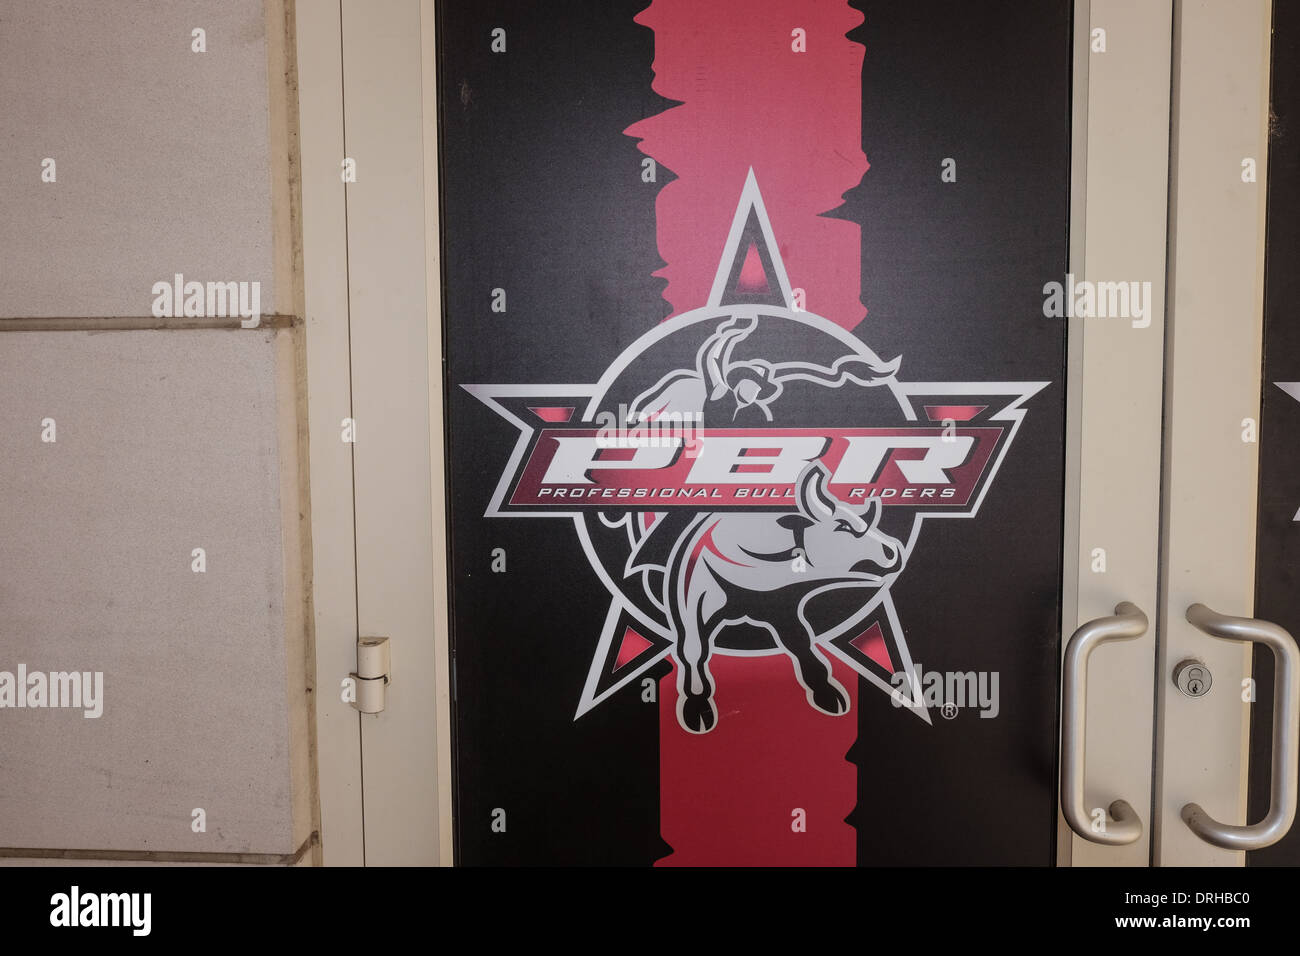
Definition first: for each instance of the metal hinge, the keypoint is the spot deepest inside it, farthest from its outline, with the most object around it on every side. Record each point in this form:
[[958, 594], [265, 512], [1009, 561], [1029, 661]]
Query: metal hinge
[[373, 675]]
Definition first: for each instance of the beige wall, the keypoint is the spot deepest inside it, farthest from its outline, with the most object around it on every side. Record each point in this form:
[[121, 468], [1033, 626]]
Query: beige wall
[[167, 438]]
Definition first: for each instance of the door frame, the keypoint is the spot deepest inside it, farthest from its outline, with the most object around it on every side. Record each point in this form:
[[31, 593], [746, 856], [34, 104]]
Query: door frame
[[1120, 177], [1119, 213], [329, 400], [367, 80]]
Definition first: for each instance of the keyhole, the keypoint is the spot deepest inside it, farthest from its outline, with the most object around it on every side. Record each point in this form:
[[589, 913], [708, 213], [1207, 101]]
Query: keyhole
[[1193, 678]]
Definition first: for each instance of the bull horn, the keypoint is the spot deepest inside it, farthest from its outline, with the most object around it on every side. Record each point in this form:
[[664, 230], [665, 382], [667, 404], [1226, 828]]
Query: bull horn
[[872, 511], [815, 501]]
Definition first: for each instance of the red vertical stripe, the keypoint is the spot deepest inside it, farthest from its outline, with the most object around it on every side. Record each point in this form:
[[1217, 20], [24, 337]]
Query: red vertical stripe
[[749, 100], [733, 796], [739, 794]]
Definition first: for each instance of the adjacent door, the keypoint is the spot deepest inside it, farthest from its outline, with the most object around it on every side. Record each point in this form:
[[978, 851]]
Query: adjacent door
[[1277, 597], [1222, 787]]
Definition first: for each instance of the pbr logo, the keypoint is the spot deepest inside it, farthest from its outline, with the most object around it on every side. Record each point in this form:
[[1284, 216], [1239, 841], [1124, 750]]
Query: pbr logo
[[748, 479]]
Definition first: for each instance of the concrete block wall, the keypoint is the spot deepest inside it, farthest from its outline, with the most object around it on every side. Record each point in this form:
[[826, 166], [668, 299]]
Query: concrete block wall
[[129, 439]]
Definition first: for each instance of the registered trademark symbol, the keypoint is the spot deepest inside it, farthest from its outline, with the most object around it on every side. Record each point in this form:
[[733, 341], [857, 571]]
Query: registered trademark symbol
[[949, 710]]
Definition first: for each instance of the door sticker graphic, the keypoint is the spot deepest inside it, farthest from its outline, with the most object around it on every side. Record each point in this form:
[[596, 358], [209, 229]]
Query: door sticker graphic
[[712, 399], [715, 537]]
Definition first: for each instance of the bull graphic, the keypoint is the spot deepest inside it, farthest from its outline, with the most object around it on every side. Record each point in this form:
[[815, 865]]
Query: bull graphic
[[761, 570], [717, 570]]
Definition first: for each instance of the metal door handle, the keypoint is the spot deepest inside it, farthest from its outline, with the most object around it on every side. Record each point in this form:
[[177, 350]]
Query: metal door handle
[[1286, 730], [1122, 825]]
